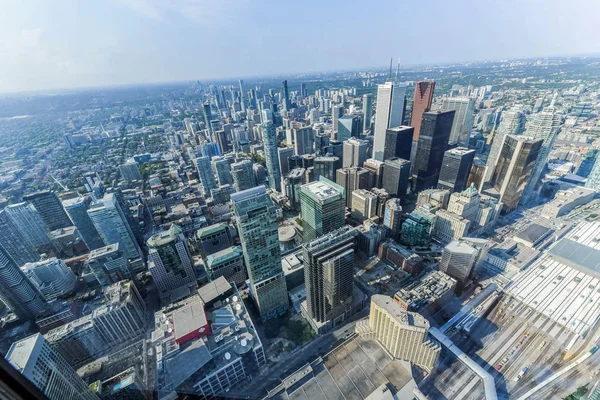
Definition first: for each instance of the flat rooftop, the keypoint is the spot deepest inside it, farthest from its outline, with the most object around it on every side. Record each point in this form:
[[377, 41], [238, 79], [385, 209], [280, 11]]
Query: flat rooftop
[[189, 318], [214, 289], [533, 233], [321, 191], [399, 313]]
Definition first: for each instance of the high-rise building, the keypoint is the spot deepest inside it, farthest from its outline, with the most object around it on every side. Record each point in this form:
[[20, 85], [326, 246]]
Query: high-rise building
[[287, 105], [392, 217], [336, 112], [421, 104], [326, 167], [108, 264], [433, 139], [456, 167], [243, 175], [47, 370], [398, 142], [367, 109], [212, 239], [376, 167], [207, 116], [222, 169], [130, 172], [228, 263], [512, 122], [256, 219], [207, 177], [477, 174], [349, 126], [269, 138], [364, 204], [50, 208], [459, 258], [77, 210], [284, 153], [464, 115], [355, 152], [328, 274], [396, 175], [51, 277], [322, 205], [304, 139], [242, 96], [112, 225], [29, 222], [17, 291], [516, 160], [171, 265], [417, 228], [353, 178], [14, 242], [389, 114]]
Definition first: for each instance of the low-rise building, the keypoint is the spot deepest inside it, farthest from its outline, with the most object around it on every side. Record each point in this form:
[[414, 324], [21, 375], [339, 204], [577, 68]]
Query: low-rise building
[[427, 294], [567, 200], [228, 263]]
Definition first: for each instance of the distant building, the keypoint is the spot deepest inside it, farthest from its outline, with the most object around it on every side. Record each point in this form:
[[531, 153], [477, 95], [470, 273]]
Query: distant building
[[205, 172], [367, 109], [349, 126], [512, 122], [284, 153], [322, 208], [50, 208], [464, 116], [355, 152], [326, 167], [269, 138], [222, 169], [243, 175], [130, 172], [304, 139], [352, 179], [364, 205], [51, 277], [456, 167], [391, 99], [376, 168], [421, 104]]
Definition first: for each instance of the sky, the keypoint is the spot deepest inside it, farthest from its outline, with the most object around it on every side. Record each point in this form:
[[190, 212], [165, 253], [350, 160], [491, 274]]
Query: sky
[[51, 44]]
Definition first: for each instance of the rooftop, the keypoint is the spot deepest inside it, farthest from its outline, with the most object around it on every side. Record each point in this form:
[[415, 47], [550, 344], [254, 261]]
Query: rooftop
[[22, 351], [322, 191], [211, 230], [224, 256], [102, 251], [165, 237], [533, 233], [214, 289], [399, 313], [423, 292]]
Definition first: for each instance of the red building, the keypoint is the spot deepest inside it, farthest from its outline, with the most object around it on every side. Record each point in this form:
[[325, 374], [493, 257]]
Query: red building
[[190, 322], [421, 104]]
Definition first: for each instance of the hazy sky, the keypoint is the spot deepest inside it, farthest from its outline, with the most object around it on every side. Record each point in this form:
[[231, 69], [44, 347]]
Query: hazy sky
[[47, 44]]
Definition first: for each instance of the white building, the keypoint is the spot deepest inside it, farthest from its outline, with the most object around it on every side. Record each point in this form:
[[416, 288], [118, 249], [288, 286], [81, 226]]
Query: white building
[[364, 204], [464, 116], [389, 114], [567, 200], [52, 277]]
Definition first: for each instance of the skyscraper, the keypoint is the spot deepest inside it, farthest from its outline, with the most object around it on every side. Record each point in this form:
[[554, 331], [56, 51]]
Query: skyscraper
[[108, 264], [29, 222], [50, 209], [51, 277], [207, 177], [269, 138], [353, 178], [349, 126], [222, 169], [17, 291], [326, 167], [287, 106], [456, 167], [421, 104], [364, 205], [433, 139], [392, 217], [112, 225], [283, 153], [389, 114], [355, 152], [130, 172], [398, 142], [304, 139], [516, 160], [77, 210], [243, 175], [207, 117], [367, 109], [256, 220], [322, 204], [328, 273], [376, 168], [459, 258], [45, 368], [464, 116], [336, 112], [14, 243], [170, 263], [396, 175]]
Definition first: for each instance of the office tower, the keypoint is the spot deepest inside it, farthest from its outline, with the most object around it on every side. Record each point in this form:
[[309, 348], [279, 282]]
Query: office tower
[[416, 229], [77, 210], [290, 186], [456, 167], [355, 152], [367, 109], [364, 205], [396, 175], [326, 167], [51, 277], [130, 172], [287, 106], [304, 139], [336, 113], [322, 205], [349, 126], [170, 263], [269, 138], [389, 114], [516, 160], [207, 117], [464, 115], [402, 333], [353, 178], [220, 137], [222, 169], [112, 225], [212, 239], [205, 172], [512, 122], [14, 243], [477, 174], [256, 220], [433, 139], [260, 174], [29, 222], [328, 274], [242, 96], [47, 370], [228, 263], [108, 264], [209, 149], [543, 126], [382, 198], [243, 175], [321, 143], [458, 259], [392, 216], [376, 168], [421, 104], [49, 208], [17, 291], [398, 142], [283, 153]]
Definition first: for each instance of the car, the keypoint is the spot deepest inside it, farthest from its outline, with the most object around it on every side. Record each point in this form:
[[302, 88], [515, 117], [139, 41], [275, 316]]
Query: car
[[498, 367]]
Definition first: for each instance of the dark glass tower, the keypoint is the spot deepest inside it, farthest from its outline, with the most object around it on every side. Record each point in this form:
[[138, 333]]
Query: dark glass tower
[[398, 142], [456, 167], [50, 208]]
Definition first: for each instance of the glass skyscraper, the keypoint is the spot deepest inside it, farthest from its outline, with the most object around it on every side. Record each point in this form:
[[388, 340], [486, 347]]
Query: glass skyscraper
[[323, 208]]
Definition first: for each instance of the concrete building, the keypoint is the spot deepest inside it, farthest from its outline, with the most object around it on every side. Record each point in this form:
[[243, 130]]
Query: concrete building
[[269, 139], [228, 263], [322, 206], [459, 258], [50, 209], [430, 293], [566, 200], [456, 167], [436, 198], [421, 104], [391, 98], [396, 175], [77, 210], [243, 175], [17, 292], [355, 152], [464, 116], [256, 219], [449, 226], [14, 242], [51, 277], [304, 140], [283, 153], [222, 169], [112, 225], [392, 217], [353, 178], [364, 205], [205, 172], [398, 142], [336, 112], [402, 333], [512, 122], [29, 222], [382, 198], [376, 168], [37, 361], [109, 265], [367, 109], [212, 239], [130, 172]]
